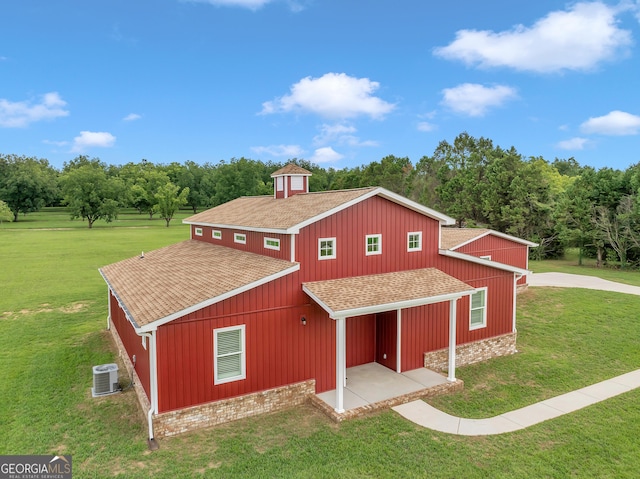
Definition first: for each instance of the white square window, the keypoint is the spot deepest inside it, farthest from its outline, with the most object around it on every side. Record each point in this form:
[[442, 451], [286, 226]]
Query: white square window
[[272, 243], [229, 362], [414, 241], [297, 183], [486, 256], [198, 231], [216, 234], [240, 238], [326, 248], [373, 244], [478, 313]]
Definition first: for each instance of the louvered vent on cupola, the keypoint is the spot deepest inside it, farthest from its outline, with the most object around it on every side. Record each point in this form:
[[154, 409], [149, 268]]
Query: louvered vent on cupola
[[290, 180]]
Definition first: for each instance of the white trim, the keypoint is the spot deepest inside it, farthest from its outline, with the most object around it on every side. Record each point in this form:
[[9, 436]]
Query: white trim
[[242, 352], [333, 247], [377, 243], [515, 239], [451, 370], [341, 361], [485, 256], [198, 231], [267, 246], [279, 183], [299, 178], [167, 319], [485, 262], [109, 306], [399, 341], [293, 248], [419, 247], [378, 308], [473, 327], [213, 234], [237, 239], [246, 228], [515, 289]]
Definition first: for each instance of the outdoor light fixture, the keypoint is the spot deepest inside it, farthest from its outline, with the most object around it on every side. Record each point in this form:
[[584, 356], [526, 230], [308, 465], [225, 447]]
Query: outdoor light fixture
[[303, 320]]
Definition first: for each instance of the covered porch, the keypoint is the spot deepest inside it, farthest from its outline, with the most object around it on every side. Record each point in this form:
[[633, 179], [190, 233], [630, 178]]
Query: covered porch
[[382, 382]]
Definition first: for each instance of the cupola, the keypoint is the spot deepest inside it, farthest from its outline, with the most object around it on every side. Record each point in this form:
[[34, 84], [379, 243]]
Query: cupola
[[290, 180]]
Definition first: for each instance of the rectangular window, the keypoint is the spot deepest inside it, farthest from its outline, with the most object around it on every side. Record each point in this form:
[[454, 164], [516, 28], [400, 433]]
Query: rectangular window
[[414, 241], [229, 354], [216, 234], [478, 314], [240, 238], [198, 231], [373, 244], [297, 183], [326, 248], [487, 256], [272, 243], [279, 183]]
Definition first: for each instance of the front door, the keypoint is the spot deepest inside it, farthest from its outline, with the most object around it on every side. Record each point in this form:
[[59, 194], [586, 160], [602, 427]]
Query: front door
[[386, 339]]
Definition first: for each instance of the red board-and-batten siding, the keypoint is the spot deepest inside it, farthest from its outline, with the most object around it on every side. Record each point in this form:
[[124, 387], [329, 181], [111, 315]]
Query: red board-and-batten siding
[[501, 250], [287, 190], [280, 350], [254, 241]]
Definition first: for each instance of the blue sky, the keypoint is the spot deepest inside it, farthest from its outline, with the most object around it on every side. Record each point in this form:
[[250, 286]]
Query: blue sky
[[340, 83]]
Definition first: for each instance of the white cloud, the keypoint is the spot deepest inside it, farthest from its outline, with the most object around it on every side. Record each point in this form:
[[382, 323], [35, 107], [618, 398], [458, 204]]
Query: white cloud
[[473, 99], [22, 113], [92, 139], [342, 134], [132, 117], [576, 39], [325, 155], [426, 126], [250, 4], [333, 95], [576, 143], [289, 151], [615, 123], [55, 143]]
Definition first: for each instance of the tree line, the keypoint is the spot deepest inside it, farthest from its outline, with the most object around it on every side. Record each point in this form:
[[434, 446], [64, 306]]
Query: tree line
[[558, 204]]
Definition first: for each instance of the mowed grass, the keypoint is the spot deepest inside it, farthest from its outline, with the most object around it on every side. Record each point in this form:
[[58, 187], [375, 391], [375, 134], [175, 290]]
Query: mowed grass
[[52, 331]]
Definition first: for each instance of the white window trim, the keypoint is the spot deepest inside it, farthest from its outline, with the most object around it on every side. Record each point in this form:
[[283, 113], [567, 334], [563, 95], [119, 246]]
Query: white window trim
[[198, 231], [236, 238], [486, 256], [484, 310], [297, 183], [243, 355], [268, 246], [218, 232], [333, 256], [366, 244], [414, 233], [279, 183]]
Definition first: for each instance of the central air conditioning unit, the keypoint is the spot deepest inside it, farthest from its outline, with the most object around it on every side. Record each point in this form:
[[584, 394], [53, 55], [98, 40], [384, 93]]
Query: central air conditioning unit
[[105, 380]]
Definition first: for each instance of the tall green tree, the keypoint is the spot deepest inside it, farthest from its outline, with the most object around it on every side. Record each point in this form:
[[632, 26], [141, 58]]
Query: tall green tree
[[90, 194], [169, 199], [5, 212]]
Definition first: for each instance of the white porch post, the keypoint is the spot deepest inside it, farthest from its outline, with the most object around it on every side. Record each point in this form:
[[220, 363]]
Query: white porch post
[[341, 364], [452, 341], [399, 341]]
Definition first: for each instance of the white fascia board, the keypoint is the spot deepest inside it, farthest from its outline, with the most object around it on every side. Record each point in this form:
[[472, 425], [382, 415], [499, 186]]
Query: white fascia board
[[396, 198], [378, 308], [127, 313], [484, 262], [239, 227], [515, 239], [475, 238], [153, 326], [292, 174]]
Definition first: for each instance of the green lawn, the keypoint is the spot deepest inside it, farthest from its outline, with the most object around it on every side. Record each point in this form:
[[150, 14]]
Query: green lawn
[[52, 330]]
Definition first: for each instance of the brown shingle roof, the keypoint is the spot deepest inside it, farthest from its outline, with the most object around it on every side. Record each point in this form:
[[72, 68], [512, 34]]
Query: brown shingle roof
[[452, 237], [275, 214], [172, 279], [348, 294], [290, 169]]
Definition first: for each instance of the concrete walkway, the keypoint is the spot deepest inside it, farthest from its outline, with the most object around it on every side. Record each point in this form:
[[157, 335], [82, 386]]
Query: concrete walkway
[[427, 416]]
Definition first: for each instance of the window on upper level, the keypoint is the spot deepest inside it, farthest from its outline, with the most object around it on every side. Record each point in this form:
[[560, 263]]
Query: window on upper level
[[414, 241], [198, 231], [272, 243], [326, 248], [486, 256], [216, 234], [279, 183], [240, 238], [373, 244], [229, 354], [478, 314], [297, 183]]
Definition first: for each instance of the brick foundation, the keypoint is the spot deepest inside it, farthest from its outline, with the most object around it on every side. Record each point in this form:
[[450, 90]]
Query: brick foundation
[[471, 353], [225, 410]]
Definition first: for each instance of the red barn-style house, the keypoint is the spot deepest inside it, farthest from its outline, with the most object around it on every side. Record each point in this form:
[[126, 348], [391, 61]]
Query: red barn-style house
[[278, 299]]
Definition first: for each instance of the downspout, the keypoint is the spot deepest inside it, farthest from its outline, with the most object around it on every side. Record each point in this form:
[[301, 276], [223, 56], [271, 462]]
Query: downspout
[[153, 386], [516, 277]]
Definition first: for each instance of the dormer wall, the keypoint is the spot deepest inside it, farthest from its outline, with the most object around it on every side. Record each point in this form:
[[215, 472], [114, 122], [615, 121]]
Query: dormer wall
[[289, 185]]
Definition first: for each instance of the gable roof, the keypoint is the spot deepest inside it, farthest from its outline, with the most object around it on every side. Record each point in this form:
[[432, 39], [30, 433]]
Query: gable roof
[[289, 215], [454, 238], [151, 289], [291, 169], [358, 295]]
